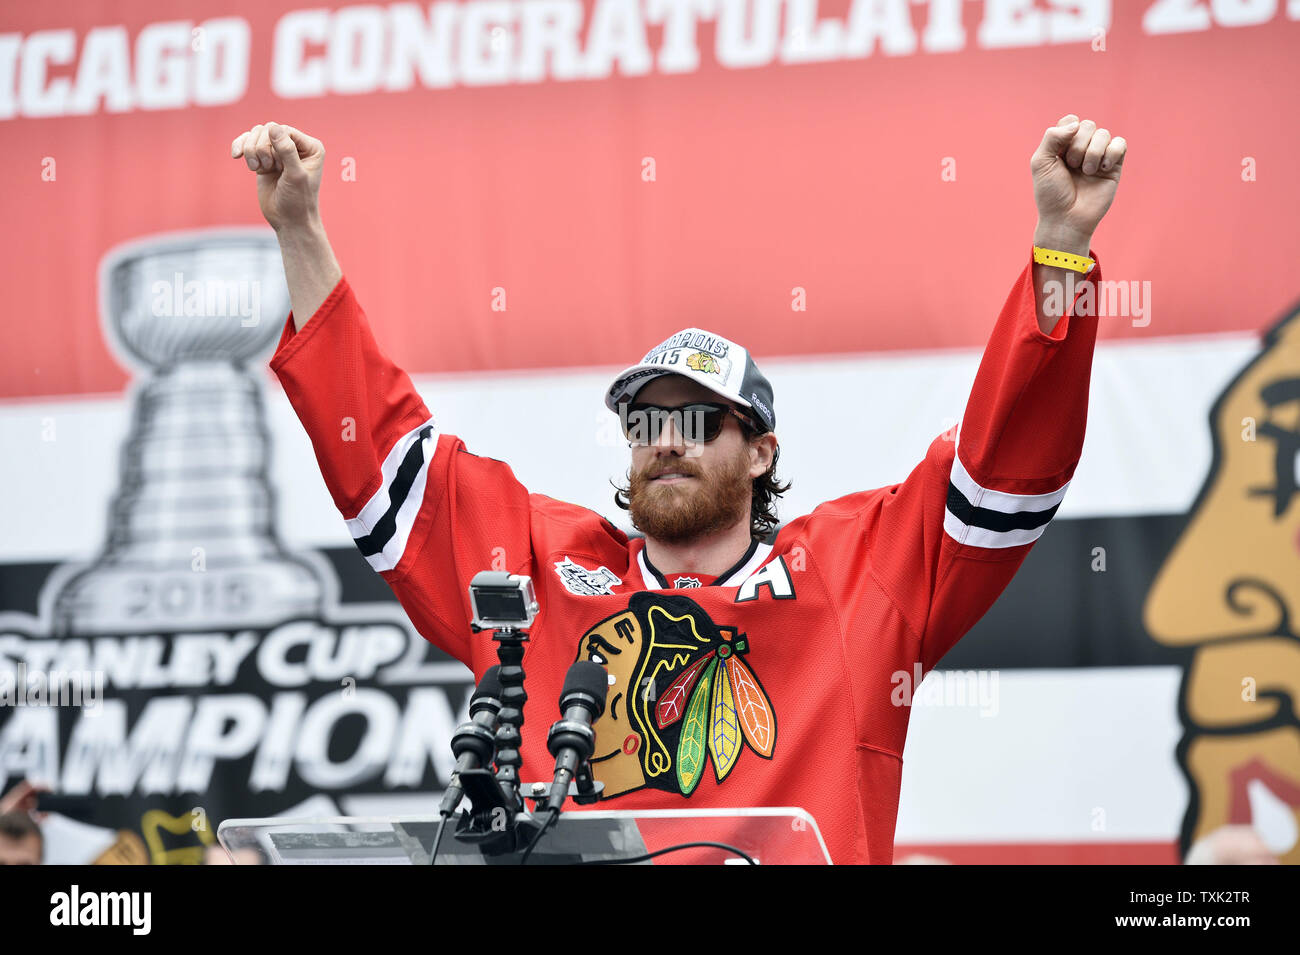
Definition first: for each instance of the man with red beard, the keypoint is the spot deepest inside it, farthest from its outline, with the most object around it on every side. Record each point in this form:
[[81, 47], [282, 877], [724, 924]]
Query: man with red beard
[[702, 482], [784, 665]]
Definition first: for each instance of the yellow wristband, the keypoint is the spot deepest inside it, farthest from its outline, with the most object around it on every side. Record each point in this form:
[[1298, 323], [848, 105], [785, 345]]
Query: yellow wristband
[[1066, 260]]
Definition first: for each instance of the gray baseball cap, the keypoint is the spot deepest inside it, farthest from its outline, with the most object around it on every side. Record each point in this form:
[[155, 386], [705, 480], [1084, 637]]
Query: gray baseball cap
[[717, 363]]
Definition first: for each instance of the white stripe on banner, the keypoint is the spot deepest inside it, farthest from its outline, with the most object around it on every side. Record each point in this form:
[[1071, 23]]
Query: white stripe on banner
[[1147, 450], [380, 503], [1043, 756]]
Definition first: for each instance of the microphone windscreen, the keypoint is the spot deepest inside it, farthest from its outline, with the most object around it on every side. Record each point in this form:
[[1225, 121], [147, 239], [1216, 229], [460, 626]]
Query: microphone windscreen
[[490, 685], [587, 678]]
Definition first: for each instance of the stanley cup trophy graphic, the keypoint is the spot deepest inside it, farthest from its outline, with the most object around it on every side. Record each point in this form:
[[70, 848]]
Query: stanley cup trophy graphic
[[190, 537]]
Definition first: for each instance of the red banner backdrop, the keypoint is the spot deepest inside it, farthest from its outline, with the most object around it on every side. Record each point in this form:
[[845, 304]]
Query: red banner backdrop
[[886, 184]]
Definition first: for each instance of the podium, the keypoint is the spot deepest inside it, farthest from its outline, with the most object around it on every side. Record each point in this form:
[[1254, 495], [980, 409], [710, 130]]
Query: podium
[[769, 836]]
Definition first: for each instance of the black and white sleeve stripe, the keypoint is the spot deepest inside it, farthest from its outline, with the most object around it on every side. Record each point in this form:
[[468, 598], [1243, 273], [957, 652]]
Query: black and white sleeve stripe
[[982, 517], [384, 524]]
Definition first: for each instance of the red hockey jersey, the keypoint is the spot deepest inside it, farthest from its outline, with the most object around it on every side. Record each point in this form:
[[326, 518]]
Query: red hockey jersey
[[776, 684]]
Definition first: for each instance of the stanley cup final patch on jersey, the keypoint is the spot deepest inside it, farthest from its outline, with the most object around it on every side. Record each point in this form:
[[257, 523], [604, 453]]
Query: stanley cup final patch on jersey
[[583, 582], [981, 517]]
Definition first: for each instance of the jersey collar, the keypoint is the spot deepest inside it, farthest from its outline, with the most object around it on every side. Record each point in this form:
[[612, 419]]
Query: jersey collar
[[752, 559]]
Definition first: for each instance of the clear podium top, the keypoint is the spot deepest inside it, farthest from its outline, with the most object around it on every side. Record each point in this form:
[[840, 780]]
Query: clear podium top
[[768, 836]]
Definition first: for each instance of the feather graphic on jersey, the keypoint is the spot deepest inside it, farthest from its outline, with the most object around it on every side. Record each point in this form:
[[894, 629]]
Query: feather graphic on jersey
[[691, 748], [696, 699], [756, 716], [672, 704], [724, 733]]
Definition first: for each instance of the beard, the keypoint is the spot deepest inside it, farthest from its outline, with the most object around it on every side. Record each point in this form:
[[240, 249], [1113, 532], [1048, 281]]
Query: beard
[[676, 513]]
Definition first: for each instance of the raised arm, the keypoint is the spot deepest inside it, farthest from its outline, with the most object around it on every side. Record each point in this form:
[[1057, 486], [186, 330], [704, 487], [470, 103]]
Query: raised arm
[[288, 164], [1076, 171], [944, 543], [424, 512], [957, 529]]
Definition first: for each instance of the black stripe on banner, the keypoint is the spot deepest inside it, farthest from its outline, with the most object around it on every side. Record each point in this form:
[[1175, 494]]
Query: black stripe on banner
[[991, 520], [386, 526], [1060, 610]]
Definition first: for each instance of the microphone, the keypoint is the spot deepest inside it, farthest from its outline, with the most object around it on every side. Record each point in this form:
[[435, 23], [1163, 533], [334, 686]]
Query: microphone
[[474, 742], [572, 740]]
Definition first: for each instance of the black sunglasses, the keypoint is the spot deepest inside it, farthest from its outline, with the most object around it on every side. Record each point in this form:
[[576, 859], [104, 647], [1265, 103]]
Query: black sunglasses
[[696, 423]]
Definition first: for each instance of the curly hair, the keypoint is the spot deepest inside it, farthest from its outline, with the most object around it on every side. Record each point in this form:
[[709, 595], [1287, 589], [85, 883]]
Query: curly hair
[[767, 488]]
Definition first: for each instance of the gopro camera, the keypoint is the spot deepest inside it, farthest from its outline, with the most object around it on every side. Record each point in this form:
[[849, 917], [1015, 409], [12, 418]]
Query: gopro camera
[[502, 600]]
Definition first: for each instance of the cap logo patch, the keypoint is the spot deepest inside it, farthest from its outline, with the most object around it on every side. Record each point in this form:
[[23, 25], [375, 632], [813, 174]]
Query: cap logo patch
[[703, 361]]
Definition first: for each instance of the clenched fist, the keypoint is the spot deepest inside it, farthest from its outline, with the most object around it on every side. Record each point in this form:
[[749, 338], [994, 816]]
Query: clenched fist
[[288, 164], [1076, 171]]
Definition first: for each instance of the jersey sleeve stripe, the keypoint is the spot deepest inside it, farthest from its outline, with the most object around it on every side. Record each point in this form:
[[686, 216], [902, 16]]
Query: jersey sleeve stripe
[[982, 517], [1001, 500], [975, 536], [383, 526]]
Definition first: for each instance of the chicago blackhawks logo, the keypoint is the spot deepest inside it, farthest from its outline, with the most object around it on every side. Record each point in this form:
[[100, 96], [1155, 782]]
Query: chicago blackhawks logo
[[703, 361], [1229, 595], [681, 697]]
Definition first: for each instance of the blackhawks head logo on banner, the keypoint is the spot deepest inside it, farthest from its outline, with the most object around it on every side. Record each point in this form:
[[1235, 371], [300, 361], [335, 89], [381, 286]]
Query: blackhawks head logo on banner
[[1229, 593], [682, 697]]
